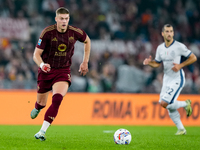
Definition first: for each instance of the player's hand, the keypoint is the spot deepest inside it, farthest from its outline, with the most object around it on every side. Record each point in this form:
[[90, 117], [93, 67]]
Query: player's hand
[[176, 67], [83, 69], [147, 60], [46, 68]]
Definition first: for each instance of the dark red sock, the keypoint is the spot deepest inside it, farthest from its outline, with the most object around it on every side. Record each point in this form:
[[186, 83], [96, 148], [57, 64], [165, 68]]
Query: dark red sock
[[52, 111], [38, 106]]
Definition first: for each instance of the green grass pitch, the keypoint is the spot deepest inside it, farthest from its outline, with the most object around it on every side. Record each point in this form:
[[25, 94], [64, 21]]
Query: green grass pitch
[[97, 138]]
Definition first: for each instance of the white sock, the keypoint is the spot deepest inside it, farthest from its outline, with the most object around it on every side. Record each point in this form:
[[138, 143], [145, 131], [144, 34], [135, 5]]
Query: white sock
[[45, 126], [176, 105], [175, 116]]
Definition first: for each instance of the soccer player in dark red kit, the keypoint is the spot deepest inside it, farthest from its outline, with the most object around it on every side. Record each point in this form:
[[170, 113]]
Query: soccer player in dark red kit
[[53, 55]]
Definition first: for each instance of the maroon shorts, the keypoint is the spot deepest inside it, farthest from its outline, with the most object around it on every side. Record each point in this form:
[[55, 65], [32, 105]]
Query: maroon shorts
[[46, 80]]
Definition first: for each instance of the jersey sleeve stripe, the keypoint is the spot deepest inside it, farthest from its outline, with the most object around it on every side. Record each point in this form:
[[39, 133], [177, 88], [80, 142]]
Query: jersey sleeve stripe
[[77, 30], [52, 27], [189, 54]]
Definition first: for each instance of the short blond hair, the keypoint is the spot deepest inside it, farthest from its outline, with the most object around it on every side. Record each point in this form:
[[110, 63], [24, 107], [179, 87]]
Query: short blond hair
[[62, 10]]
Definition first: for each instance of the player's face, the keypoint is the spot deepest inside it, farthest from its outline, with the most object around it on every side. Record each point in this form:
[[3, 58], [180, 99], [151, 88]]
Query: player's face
[[168, 33], [62, 21]]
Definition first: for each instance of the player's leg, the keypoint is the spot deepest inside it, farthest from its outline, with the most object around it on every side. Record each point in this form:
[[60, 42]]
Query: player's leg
[[39, 104], [59, 84], [169, 95], [186, 104], [43, 88], [175, 116], [174, 104], [59, 90]]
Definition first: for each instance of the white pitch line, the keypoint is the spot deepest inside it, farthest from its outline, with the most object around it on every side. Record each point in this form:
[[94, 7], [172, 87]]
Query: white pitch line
[[108, 131]]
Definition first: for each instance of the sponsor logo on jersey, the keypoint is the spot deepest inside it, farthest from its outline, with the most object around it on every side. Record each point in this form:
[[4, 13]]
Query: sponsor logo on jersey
[[62, 47], [39, 42], [168, 59], [60, 53]]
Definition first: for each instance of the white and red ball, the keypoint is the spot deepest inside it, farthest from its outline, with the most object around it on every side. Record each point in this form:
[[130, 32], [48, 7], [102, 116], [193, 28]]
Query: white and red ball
[[122, 136]]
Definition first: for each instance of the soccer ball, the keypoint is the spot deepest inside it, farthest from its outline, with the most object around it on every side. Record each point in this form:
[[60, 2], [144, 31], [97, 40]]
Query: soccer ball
[[122, 136]]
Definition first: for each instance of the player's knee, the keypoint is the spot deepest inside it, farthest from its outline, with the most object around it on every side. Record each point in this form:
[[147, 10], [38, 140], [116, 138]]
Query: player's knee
[[56, 100], [41, 101], [163, 104]]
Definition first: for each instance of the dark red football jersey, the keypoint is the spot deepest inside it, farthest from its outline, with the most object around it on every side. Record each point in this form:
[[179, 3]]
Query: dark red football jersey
[[59, 47]]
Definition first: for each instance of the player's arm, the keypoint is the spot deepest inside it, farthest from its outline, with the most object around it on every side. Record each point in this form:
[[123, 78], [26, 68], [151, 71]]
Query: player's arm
[[84, 65], [87, 47], [38, 60], [191, 59], [150, 62]]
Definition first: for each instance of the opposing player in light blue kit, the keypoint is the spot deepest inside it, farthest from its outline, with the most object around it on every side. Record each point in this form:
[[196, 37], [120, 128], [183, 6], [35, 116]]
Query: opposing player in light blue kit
[[171, 53]]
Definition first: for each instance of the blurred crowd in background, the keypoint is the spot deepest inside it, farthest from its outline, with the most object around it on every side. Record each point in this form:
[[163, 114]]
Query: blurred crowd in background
[[123, 34]]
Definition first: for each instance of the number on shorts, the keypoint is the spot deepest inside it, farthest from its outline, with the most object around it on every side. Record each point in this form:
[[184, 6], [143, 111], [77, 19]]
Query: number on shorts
[[170, 91]]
